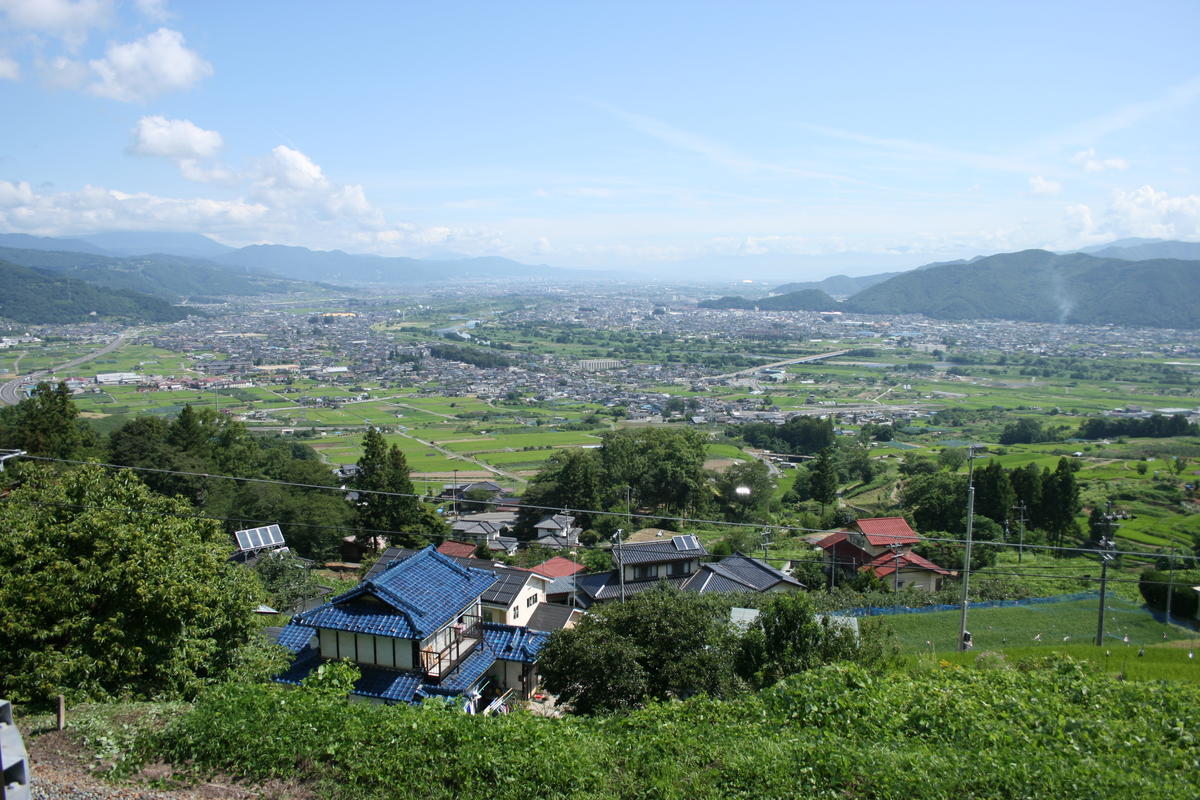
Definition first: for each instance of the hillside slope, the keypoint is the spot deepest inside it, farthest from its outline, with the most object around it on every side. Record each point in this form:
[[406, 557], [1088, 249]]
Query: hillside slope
[[1039, 286], [37, 296]]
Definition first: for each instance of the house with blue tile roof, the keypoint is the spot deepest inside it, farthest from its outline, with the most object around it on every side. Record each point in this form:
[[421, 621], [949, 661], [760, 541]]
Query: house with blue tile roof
[[416, 629]]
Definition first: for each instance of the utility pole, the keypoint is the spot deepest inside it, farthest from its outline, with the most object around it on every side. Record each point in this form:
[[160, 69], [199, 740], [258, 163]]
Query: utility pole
[[1170, 584], [896, 568], [620, 564], [1020, 509], [1106, 547], [766, 542], [966, 581]]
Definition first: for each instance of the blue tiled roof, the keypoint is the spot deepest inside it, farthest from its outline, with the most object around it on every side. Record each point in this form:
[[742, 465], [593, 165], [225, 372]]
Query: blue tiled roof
[[465, 674], [510, 643], [295, 637], [385, 684], [420, 594]]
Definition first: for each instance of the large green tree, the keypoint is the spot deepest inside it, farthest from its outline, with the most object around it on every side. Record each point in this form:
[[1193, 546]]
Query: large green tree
[[388, 502], [46, 424], [661, 643], [109, 590]]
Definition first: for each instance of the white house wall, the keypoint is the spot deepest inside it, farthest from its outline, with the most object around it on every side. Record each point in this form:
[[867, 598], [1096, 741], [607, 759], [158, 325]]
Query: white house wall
[[363, 648]]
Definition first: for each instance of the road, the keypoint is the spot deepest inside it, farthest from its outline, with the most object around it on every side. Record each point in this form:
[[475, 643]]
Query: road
[[10, 392], [774, 364]]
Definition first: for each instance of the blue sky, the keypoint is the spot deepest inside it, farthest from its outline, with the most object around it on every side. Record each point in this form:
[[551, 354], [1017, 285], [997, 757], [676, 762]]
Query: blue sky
[[765, 136]]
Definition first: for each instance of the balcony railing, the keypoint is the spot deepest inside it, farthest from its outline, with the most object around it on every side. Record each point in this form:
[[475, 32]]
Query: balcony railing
[[464, 637]]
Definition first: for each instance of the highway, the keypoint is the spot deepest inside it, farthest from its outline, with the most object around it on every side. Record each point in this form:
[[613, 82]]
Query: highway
[[775, 364], [10, 391]]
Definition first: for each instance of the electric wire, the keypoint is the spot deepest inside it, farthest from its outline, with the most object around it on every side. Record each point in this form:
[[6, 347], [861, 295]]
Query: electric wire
[[627, 515]]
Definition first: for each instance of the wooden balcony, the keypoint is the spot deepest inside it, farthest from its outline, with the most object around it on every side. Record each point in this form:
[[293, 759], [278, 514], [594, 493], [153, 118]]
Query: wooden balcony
[[464, 637]]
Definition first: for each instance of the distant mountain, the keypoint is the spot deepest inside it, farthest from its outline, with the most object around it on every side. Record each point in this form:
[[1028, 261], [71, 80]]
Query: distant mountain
[[337, 266], [839, 285], [37, 297], [1146, 249], [166, 276], [24, 241], [136, 243], [804, 300], [1040, 286]]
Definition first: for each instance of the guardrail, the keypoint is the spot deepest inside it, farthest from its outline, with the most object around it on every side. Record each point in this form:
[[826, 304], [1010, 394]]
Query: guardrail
[[13, 759]]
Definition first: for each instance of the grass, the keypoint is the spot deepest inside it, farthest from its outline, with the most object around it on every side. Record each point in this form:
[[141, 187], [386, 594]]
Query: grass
[[1176, 661], [1020, 626]]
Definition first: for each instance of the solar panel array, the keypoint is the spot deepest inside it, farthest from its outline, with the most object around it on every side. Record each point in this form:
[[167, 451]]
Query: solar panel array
[[686, 542], [258, 538]]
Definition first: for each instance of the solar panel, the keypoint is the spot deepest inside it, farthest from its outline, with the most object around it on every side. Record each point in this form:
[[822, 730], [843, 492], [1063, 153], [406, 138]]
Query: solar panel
[[686, 542], [258, 538]]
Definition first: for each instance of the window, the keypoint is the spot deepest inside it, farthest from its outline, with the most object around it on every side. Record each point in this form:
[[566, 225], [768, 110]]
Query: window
[[645, 572], [531, 601], [678, 568], [516, 612]]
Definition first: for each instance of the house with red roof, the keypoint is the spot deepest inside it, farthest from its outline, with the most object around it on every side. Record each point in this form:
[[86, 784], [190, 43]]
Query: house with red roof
[[558, 567], [882, 546], [456, 549]]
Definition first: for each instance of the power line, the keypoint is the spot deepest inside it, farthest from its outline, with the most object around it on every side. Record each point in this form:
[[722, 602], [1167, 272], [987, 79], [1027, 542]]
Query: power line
[[1081, 550]]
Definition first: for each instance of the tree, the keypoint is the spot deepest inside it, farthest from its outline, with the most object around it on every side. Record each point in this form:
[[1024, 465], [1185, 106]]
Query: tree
[[1060, 501], [787, 637], [46, 424], [661, 643], [952, 458], [823, 478], [754, 478], [994, 495], [109, 590], [388, 501], [286, 579], [938, 502]]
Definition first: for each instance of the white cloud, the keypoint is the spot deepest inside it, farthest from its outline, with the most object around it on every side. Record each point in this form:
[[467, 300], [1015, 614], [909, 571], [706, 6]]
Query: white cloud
[[150, 66], [288, 178], [9, 70], [1044, 188], [1140, 212], [173, 138], [153, 9], [63, 73], [1090, 163], [67, 19]]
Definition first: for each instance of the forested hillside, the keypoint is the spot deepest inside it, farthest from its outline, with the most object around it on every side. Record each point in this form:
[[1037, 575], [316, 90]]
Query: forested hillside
[[40, 296]]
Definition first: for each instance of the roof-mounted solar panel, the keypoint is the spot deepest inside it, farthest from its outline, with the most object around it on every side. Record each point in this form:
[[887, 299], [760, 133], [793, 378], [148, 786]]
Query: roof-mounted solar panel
[[259, 538], [686, 542]]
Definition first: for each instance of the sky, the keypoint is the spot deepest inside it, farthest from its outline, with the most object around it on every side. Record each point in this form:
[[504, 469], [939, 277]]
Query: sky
[[752, 137]]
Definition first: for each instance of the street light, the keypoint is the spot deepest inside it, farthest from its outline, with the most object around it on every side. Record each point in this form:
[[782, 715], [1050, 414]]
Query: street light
[[963, 636], [620, 566], [1105, 548]]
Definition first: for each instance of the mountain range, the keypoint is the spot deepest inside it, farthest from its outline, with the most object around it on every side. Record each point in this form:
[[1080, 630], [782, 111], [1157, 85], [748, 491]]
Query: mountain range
[[41, 296]]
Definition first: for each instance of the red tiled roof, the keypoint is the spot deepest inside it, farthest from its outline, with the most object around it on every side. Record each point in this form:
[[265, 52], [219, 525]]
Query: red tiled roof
[[887, 531], [885, 564], [456, 549], [832, 539], [558, 567]]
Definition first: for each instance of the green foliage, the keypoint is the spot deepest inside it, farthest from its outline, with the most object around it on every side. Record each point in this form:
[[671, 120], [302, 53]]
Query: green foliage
[[286, 579], [205, 441], [660, 643], [397, 510], [788, 638], [109, 590], [46, 424], [1049, 729], [40, 296], [753, 476], [800, 300], [1154, 586], [1040, 286], [333, 678]]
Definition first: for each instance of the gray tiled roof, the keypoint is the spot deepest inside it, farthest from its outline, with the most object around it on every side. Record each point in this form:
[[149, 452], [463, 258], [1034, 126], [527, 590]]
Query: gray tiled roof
[[657, 552]]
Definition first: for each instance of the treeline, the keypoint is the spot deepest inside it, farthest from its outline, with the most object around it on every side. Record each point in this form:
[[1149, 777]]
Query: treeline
[[475, 356], [197, 441], [799, 435], [1156, 426], [660, 470], [1046, 500]]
